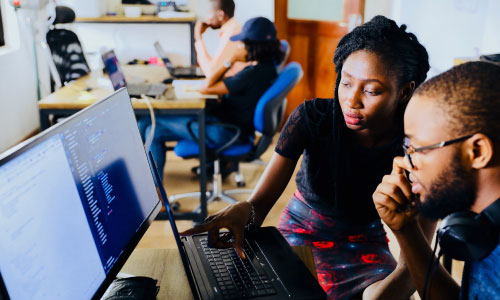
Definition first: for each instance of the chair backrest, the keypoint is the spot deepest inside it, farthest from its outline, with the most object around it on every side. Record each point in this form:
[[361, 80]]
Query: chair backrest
[[271, 106], [65, 48], [285, 47]]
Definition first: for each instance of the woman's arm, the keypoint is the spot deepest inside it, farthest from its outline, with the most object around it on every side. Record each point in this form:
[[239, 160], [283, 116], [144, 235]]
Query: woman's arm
[[216, 76], [218, 88], [235, 217], [271, 185]]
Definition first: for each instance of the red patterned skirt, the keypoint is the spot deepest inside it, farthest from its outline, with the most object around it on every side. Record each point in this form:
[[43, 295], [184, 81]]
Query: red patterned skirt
[[348, 257]]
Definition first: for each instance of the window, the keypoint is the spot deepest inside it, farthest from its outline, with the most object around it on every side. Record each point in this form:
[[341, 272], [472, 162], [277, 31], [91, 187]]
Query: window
[[2, 39]]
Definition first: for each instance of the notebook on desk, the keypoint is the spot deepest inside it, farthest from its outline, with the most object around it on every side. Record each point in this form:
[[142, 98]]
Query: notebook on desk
[[190, 89], [177, 72], [272, 270], [118, 79]]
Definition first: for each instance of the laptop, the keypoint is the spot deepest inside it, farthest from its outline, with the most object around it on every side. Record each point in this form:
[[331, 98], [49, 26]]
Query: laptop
[[272, 270], [74, 202], [118, 79], [177, 72]]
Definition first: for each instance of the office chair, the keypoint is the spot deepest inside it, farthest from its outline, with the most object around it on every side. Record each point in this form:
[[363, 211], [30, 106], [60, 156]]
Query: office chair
[[65, 48], [285, 47], [267, 119]]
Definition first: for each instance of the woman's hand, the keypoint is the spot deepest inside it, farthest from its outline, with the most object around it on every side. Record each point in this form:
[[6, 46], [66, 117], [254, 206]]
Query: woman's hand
[[235, 217], [393, 197]]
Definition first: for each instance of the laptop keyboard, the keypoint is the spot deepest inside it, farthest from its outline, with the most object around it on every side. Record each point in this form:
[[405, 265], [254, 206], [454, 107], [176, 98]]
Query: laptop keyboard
[[237, 278], [146, 89]]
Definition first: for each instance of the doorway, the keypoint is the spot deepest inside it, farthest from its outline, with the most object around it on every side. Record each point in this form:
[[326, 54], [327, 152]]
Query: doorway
[[313, 29]]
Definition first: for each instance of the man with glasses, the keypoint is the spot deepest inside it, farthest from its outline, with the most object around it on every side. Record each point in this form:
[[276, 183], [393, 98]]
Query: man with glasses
[[452, 164]]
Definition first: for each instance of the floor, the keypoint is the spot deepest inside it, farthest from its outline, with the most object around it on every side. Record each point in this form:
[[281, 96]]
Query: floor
[[179, 179]]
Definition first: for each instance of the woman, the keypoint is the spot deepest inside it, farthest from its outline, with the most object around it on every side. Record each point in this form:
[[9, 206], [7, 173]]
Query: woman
[[348, 143], [241, 92]]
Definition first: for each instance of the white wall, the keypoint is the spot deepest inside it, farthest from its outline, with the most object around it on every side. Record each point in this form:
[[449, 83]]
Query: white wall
[[18, 90], [378, 7], [447, 28], [136, 41], [245, 10]]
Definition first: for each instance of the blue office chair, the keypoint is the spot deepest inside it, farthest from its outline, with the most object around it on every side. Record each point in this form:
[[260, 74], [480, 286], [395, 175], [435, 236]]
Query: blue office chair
[[285, 47], [267, 119]]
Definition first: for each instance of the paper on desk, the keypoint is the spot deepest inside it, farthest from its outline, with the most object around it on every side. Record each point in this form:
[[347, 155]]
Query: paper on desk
[[189, 89], [169, 14]]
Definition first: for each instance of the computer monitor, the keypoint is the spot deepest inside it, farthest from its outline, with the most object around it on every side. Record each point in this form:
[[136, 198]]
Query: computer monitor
[[74, 202], [114, 71]]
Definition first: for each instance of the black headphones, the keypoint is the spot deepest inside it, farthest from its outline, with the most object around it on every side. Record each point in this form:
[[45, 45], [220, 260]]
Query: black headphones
[[468, 236]]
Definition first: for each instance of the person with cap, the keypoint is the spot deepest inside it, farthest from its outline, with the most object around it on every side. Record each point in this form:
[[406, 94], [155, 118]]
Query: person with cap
[[239, 93]]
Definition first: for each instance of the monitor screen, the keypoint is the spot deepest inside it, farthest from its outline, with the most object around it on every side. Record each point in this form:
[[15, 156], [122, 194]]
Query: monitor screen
[[115, 73], [74, 202]]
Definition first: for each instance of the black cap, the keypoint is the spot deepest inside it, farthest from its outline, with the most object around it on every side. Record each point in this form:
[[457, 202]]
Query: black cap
[[256, 29]]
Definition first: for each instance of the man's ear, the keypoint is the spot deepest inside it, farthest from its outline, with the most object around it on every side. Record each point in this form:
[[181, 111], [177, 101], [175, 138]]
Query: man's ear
[[407, 91], [479, 151], [220, 15]]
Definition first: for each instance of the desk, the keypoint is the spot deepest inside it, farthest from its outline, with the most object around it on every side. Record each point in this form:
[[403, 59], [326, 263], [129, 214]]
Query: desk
[[70, 99], [145, 20], [165, 265]]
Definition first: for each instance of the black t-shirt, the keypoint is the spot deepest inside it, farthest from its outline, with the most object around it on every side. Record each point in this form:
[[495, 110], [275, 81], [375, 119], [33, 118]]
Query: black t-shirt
[[245, 89], [309, 131]]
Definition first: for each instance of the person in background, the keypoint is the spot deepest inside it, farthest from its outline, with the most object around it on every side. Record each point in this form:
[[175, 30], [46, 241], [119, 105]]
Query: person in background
[[240, 93], [347, 144], [452, 149], [220, 16]]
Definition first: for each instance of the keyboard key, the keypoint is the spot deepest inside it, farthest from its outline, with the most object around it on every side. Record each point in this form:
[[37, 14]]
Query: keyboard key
[[270, 291]]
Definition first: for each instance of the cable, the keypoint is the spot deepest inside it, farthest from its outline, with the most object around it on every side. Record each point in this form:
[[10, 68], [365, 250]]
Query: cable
[[149, 138], [431, 269], [434, 269]]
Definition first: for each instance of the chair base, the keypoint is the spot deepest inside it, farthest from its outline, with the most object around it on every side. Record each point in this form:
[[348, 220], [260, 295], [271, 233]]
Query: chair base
[[217, 193]]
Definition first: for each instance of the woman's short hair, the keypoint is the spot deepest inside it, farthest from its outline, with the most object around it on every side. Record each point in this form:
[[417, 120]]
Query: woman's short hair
[[264, 51], [400, 50]]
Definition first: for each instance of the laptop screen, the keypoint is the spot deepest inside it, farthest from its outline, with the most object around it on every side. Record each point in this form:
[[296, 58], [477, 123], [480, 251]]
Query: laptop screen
[[114, 71], [163, 55], [74, 202]]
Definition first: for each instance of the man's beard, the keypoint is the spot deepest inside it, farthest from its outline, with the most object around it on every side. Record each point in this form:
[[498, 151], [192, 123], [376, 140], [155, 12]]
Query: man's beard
[[453, 191]]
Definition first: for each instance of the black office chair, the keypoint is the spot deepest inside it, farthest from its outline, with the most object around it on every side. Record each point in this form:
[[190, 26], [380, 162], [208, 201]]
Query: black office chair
[[267, 119], [65, 48]]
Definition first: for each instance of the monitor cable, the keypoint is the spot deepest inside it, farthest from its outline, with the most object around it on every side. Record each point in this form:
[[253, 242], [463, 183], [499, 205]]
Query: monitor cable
[[149, 138]]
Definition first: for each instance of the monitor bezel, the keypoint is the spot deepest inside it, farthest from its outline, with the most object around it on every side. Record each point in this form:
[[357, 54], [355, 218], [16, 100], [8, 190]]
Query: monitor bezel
[[16, 151]]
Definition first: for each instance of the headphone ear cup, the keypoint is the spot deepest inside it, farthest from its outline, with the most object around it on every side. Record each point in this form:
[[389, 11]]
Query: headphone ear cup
[[464, 237]]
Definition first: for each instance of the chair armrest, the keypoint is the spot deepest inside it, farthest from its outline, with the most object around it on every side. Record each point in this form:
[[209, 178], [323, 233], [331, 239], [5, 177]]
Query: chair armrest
[[228, 144]]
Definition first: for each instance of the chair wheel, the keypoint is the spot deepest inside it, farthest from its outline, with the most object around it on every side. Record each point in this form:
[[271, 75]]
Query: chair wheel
[[241, 184], [175, 205]]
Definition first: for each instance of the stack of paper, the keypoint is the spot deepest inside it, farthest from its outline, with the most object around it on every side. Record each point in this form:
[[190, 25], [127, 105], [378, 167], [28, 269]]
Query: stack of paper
[[190, 89]]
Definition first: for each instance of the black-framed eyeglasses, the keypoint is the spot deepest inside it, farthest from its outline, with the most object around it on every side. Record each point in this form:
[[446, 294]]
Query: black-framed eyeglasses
[[410, 150]]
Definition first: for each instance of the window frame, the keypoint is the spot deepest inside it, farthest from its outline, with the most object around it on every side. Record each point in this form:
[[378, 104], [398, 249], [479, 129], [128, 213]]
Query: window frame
[[2, 31]]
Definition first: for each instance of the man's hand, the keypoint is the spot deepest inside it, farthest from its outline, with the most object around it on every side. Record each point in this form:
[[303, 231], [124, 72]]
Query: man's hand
[[199, 29], [393, 197]]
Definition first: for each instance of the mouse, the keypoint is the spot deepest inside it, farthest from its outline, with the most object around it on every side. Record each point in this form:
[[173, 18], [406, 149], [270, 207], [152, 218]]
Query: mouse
[[168, 80]]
